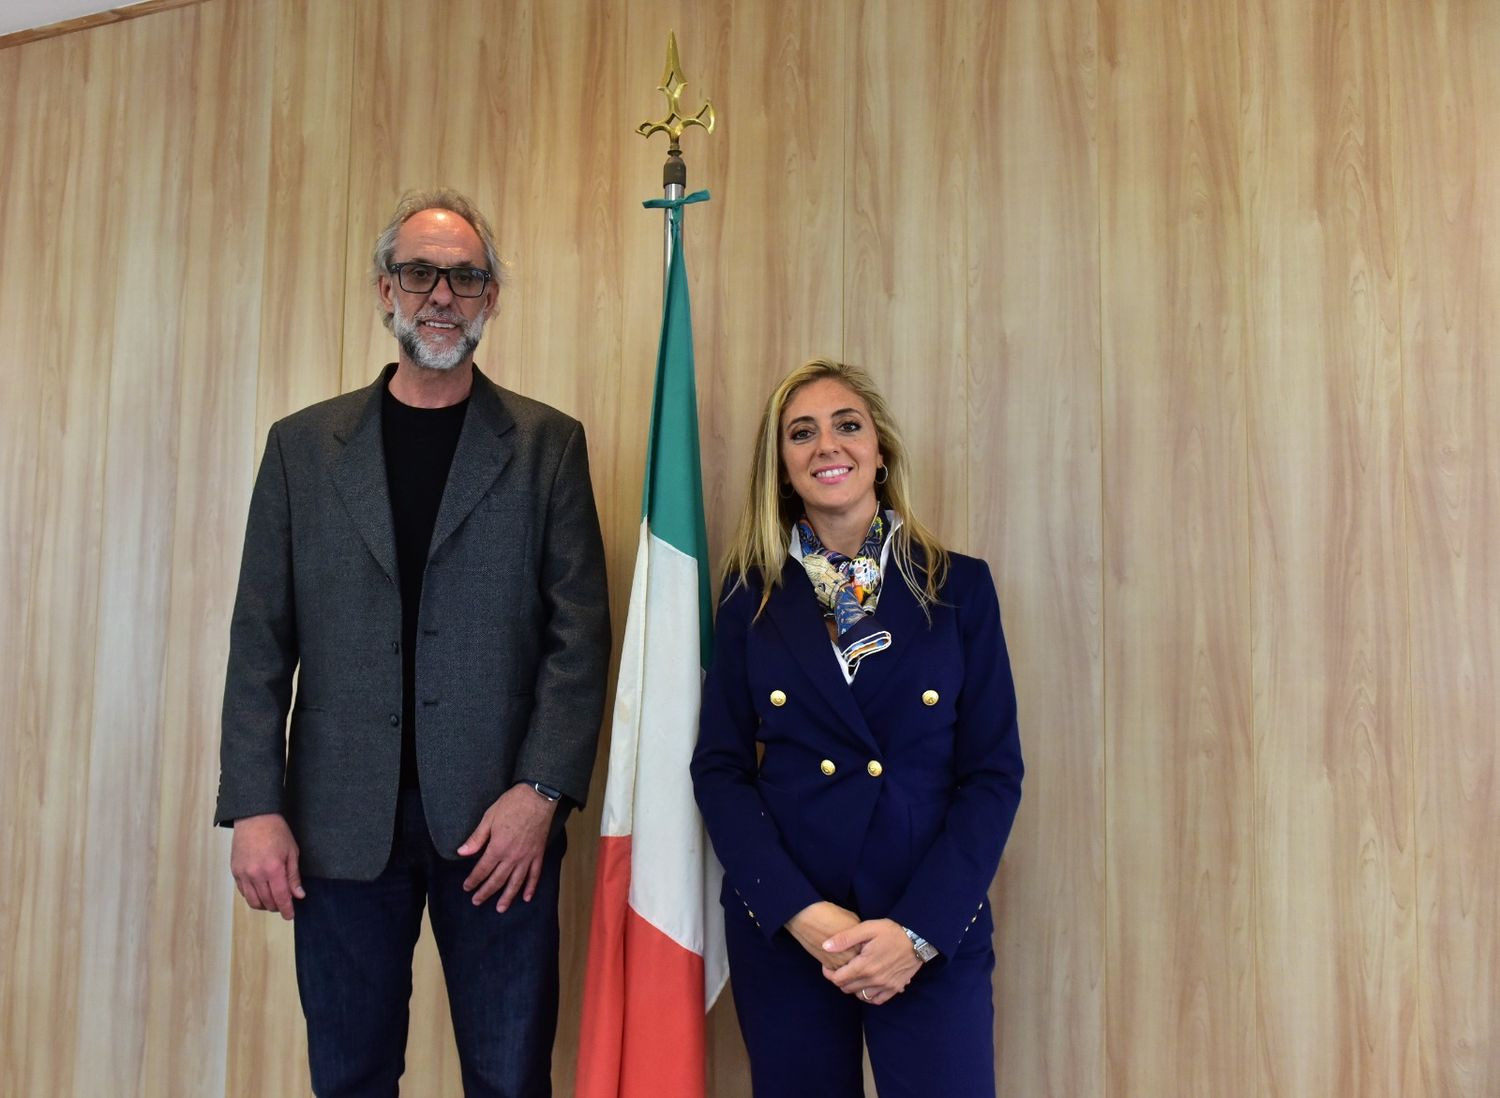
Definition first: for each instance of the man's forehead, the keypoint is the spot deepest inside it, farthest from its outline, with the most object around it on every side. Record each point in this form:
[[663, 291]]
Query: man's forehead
[[439, 230]]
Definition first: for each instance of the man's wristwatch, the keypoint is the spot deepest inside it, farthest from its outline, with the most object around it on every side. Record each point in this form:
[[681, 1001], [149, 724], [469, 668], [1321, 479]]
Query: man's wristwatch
[[924, 949], [553, 795]]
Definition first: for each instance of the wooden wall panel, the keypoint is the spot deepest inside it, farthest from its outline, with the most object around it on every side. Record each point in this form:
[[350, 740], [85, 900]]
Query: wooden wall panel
[[140, 480], [222, 228], [570, 261], [1178, 780], [1446, 60], [1188, 311], [905, 246], [59, 222], [1335, 904], [1034, 509], [768, 267], [301, 300]]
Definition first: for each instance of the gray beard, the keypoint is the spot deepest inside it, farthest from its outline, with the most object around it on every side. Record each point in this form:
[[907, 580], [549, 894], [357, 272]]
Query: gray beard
[[409, 335]]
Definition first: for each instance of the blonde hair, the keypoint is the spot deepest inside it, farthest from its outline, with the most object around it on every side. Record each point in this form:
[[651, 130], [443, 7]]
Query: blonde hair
[[760, 541]]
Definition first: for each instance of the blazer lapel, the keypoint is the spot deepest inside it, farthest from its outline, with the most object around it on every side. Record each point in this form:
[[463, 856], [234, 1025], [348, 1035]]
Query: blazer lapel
[[484, 450], [901, 615], [360, 481], [795, 613]]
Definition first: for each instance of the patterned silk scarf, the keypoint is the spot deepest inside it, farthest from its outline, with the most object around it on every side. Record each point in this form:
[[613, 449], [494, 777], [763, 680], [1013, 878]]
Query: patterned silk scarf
[[848, 588]]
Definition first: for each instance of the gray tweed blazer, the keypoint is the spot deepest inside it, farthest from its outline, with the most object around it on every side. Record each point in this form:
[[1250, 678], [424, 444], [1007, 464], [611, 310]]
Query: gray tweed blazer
[[513, 641]]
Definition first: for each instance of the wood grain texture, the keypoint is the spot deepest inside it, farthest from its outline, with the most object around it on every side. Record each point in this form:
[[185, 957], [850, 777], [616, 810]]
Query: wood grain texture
[[60, 218], [905, 247], [569, 260], [93, 19], [1334, 894], [300, 305], [1446, 62], [221, 235], [1180, 997], [1189, 312], [1034, 508], [140, 479]]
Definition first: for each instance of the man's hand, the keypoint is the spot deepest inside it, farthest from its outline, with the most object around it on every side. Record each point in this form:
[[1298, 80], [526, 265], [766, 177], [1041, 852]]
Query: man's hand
[[885, 963], [815, 924], [263, 859], [513, 836]]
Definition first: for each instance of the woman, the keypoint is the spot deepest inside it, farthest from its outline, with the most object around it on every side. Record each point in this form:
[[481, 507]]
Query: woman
[[865, 664]]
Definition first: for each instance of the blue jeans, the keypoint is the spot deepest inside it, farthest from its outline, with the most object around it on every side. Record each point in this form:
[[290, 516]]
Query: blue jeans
[[354, 942]]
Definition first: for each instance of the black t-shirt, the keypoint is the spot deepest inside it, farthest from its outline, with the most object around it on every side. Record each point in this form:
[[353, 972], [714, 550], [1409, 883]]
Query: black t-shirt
[[419, 446]]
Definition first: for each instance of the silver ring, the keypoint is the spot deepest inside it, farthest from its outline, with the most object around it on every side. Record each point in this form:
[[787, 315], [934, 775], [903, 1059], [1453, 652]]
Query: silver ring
[[865, 995]]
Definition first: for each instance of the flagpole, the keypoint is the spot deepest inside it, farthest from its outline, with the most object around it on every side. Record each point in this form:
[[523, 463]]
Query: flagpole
[[656, 937], [674, 171]]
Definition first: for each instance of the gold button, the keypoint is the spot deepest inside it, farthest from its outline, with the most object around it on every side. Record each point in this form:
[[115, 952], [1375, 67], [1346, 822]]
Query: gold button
[[929, 697], [827, 767], [778, 698], [874, 768]]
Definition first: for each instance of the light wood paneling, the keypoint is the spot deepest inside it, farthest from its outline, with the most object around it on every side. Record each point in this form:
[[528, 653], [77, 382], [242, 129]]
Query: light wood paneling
[[1178, 823], [140, 479], [94, 19], [768, 268], [61, 232], [1446, 61], [1188, 312], [1034, 511], [1335, 905], [905, 246], [570, 261], [221, 235], [301, 299]]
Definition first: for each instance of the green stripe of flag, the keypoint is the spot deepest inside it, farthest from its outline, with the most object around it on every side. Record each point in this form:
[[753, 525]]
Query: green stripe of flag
[[672, 502]]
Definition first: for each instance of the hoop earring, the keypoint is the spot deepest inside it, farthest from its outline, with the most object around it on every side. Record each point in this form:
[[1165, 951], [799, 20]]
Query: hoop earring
[[882, 475], [784, 490]]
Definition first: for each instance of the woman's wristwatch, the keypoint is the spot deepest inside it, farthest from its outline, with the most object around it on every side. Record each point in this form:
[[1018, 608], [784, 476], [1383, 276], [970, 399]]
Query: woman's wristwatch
[[923, 948]]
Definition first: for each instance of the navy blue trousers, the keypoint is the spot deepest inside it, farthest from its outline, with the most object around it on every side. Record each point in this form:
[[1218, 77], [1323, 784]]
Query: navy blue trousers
[[804, 1034], [354, 942]]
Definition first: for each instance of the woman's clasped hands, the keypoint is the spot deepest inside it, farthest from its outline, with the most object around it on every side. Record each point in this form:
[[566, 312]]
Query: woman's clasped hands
[[870, 958]]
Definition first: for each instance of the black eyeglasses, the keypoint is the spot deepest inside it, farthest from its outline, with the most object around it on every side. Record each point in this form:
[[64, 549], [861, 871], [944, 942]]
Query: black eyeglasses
[[422, 278]]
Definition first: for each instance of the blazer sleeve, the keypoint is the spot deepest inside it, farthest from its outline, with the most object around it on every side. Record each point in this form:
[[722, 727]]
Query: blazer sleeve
[[949, 886], [568, 708], [263, 652], [724, 768]]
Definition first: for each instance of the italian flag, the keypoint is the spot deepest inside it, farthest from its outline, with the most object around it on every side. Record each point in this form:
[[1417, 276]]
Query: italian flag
[[656, 941]]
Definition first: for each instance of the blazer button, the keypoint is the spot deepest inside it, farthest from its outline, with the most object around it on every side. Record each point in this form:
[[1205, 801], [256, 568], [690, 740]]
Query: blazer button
[[874, 768], [395, 720], [778, 698], [929, 697], [827, 767]]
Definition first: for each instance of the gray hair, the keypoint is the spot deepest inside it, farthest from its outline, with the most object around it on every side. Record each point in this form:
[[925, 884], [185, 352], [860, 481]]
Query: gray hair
[[413, 203]]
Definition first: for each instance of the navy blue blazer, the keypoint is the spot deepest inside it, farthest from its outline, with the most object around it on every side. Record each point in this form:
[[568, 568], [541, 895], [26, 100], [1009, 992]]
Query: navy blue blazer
[[892, 795]]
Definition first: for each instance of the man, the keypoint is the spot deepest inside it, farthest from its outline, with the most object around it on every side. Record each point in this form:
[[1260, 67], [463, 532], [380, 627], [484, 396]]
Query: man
[[424, 553]]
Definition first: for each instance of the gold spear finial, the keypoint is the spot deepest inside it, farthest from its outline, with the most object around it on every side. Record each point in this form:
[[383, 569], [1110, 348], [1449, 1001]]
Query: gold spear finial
[[673, 82]]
